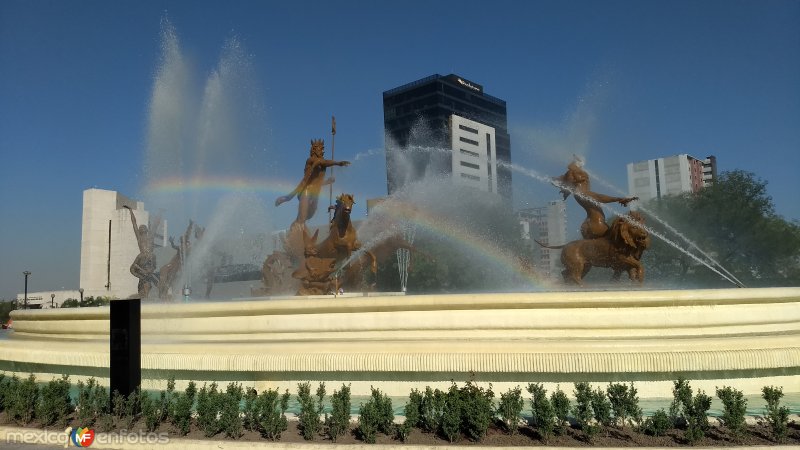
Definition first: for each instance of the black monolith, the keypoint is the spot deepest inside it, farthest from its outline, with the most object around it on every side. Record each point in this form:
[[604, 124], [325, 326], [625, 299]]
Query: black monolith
[[126, 346]]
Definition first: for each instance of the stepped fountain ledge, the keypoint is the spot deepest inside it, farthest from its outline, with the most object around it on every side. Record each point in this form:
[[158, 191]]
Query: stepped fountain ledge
[[745, 338]]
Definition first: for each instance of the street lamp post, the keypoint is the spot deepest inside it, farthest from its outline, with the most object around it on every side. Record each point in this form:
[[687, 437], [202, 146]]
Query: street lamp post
[[52, 300], [81, 291], [26, 273]]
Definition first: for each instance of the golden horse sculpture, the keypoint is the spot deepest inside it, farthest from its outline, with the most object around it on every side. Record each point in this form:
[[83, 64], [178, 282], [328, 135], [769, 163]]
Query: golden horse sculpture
[[620, 249], [335, 254]]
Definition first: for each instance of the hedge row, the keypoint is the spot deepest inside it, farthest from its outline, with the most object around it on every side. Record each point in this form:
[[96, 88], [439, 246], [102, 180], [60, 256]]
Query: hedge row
[[458, 412]]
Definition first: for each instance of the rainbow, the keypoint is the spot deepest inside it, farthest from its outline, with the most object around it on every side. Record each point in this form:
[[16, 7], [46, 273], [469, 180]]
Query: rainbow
[[457, 234], [398, 211], [180, 185]]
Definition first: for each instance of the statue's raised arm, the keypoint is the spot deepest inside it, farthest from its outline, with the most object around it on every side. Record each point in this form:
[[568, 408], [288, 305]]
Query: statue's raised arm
[[140, 232]]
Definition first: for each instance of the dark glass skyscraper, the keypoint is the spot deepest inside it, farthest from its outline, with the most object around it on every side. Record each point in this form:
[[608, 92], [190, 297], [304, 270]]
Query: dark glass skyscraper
[[447, 125]]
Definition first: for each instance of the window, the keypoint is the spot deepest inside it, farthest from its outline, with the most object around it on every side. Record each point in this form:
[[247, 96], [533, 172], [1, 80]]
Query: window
[[469, 153], [470, 177], [468, 141], [470, 165], [466, 128]]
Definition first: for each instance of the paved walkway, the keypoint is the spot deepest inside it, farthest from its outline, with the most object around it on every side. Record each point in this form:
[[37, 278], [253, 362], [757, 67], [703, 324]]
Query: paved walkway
[[14, 438]]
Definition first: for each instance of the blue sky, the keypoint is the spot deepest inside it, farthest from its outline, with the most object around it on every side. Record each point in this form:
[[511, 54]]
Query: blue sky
[[617, 81]]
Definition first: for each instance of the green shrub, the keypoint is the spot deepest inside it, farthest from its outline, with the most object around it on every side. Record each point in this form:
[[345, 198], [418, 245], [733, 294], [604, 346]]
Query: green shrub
[[150, 411], [167, 400], [230, 421], [413, 414], [180, 409], [87, 302], [368, 418], [688, 410], [734, 409], [561, 407], [55, 405], [310, 410], [658, 423], [376, 415], [510, 409], [624, 404], [209, 406], [602, 408], [543, 417], [4, 381], [21, 399], [451, 414], [126, 409], [582, 411], [272, 413], [477, 410], [155, 412], [92, 402], [338, 422], [681, 396], [777, 417], [250, 412], [432, 410], [698, 417]]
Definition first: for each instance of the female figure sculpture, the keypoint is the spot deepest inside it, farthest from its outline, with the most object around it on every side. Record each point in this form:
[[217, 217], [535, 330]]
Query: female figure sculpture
[[576, 181]]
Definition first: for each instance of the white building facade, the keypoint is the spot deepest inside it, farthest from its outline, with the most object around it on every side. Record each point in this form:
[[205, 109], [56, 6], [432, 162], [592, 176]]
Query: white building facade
[[548, 225], [671, 175], [474, 154], [46, 299], [108, 243]]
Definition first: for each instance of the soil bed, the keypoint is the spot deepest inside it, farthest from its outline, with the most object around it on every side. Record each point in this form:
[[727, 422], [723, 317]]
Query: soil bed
[[716, 436]]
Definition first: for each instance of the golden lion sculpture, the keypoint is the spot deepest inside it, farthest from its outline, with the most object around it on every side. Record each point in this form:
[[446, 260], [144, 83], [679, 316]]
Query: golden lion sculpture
[[620, 249]]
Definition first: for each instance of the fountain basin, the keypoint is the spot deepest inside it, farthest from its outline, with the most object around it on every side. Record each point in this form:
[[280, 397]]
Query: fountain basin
[[746, 338]]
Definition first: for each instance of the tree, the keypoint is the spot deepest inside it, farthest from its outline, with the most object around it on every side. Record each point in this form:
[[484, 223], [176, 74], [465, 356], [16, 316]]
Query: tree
[[734, 222], [88, 301]]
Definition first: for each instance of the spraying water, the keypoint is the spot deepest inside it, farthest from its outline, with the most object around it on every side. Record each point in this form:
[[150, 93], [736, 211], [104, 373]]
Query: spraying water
[[670, 228], [535, 175], [549, 180], [404, 255], [205, 153]]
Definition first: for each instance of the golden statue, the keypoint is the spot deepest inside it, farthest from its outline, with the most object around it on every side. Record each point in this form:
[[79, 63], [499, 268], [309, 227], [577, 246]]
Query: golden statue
[[307, 191], [620, 249], [576, 181]]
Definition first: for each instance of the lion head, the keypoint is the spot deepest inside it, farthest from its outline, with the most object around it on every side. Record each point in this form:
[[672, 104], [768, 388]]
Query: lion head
[[628, 232]]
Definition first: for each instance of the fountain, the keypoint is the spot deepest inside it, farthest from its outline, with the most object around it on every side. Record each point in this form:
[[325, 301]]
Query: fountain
[[527, 329]]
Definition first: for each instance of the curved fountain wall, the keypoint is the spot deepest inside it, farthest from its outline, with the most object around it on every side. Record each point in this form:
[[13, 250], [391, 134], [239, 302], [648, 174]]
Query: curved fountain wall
[[746, 338]]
